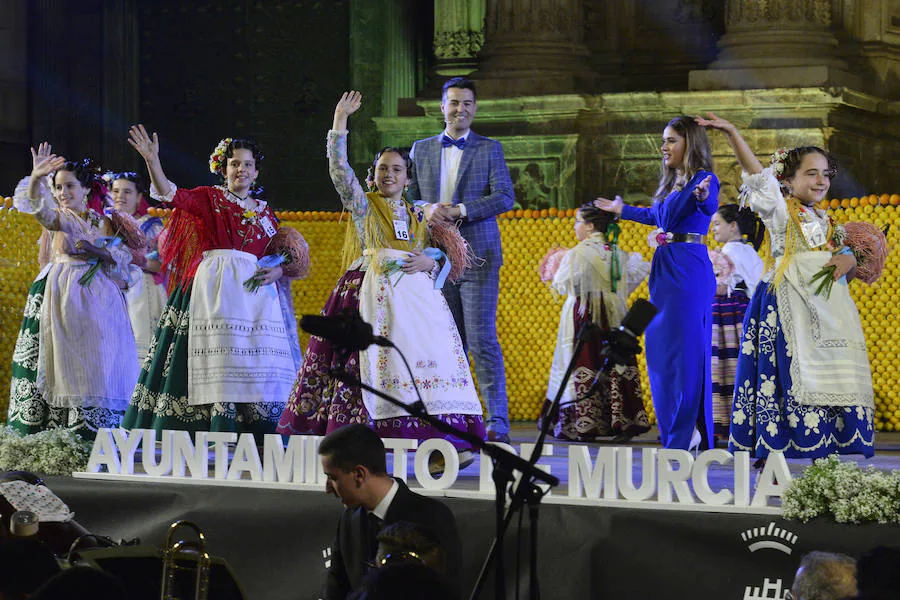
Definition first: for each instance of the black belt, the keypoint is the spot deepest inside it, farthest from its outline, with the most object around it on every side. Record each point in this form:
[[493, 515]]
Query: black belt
[[685, 238]]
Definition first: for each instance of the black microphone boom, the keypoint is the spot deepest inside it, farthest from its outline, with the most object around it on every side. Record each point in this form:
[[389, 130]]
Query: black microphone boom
[[347, 330], [622, 342]]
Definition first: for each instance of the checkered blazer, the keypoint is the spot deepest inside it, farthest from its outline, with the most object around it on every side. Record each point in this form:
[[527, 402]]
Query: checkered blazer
[[482, 184]]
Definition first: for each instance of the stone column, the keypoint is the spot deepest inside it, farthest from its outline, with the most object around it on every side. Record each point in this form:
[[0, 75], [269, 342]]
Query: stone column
[[458, 36], [533, 47], [399, 76], [776, 44]]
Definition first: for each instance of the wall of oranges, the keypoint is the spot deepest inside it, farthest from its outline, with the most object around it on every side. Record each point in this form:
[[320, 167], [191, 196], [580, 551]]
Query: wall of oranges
[[527, 315]]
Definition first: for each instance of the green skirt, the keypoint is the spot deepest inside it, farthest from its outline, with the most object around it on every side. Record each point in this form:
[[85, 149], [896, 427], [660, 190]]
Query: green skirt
[[28, 411], [160, 399]]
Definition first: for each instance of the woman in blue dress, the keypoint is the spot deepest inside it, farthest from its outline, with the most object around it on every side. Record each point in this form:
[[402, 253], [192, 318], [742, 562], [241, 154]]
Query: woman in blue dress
[[682, 285]]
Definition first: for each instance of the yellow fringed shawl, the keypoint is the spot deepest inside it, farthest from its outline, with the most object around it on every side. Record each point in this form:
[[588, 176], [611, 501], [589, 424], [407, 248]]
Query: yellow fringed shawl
[[794, 241], [379, 231]]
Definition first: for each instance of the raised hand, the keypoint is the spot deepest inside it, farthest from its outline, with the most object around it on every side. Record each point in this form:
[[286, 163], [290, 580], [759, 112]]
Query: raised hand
[[346, 106], [349, 103], [701, 192], [147, 146], [613, 206], [714, 121], [43, 162]]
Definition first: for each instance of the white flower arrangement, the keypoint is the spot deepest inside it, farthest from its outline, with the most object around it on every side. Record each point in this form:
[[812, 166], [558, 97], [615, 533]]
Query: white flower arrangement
[[217, 158], [778, 159], [844, 491], [49, 452]]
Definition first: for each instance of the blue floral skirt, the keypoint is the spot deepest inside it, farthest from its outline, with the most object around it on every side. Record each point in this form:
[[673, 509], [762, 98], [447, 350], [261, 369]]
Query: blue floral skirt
[[766, 418]]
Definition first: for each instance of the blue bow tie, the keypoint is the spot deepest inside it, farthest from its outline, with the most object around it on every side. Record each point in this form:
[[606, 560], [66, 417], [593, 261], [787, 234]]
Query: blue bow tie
[[447, 141]]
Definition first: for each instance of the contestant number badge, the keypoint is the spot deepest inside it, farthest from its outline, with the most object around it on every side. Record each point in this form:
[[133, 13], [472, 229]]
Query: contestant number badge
[[814, 233], [401, 231], [267, 226]]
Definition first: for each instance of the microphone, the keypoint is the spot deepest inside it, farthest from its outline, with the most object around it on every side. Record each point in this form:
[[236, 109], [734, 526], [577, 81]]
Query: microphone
[[623, 342], [347, 330]]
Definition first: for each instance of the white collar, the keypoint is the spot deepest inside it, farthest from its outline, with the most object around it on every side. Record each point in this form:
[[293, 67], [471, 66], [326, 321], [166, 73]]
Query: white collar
[[245, 203], [380, 511]]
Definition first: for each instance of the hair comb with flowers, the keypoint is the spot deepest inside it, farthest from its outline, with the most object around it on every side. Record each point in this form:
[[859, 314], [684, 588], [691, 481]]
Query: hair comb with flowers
[[777, 163], [217, 158]]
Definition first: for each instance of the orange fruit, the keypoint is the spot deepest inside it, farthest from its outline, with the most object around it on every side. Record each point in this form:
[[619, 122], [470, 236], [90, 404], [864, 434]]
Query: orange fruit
[[854, 202], [552, 211], [894, 199], [885, 199], [835, 203], [545, 213], [846, 203], [520, 213]]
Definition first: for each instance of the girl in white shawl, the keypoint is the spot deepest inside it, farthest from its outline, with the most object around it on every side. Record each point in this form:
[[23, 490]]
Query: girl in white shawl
[[597, 279]]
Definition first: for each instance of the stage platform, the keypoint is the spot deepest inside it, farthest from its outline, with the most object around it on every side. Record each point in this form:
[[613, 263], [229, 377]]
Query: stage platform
[[274, 536]]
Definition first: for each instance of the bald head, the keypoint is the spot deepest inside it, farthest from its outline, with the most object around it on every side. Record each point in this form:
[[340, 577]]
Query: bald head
[[825, 576]]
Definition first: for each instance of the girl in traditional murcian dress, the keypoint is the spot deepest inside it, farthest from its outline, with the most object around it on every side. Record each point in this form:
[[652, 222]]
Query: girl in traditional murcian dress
[[738, 268], [146, 296], [394, 279], [75, 361], [803, 385], [220, 359], [682, 285], [597, 280]]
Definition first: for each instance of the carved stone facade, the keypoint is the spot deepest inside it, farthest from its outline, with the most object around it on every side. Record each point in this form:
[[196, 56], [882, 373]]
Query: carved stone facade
[[579, 91], [534, 47], [777, 43], [563, 150]]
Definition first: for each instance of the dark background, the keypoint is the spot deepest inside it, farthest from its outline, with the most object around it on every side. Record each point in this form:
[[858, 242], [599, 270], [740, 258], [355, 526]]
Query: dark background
[[79, 72]]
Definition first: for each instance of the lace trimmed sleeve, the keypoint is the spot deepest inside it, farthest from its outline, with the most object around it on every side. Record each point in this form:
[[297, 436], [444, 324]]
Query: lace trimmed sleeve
[[43, 207], [163, 197], [763, 193]]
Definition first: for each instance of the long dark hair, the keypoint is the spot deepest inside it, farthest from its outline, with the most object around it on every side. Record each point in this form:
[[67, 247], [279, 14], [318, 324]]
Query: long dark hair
[[697, 154], [749, 224]]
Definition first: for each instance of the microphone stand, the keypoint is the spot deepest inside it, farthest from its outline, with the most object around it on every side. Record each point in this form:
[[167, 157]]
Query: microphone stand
[[527, 492]]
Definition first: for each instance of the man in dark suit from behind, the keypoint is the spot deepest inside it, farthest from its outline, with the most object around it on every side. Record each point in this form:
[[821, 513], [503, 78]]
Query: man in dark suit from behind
[[353, 459]]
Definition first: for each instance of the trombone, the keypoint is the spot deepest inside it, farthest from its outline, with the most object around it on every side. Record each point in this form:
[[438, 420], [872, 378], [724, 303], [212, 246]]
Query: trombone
[[185, 550]]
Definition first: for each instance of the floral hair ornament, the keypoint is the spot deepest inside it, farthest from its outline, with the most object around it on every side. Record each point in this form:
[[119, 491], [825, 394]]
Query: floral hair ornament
[[217, 158], [108, 178], [778, 159]]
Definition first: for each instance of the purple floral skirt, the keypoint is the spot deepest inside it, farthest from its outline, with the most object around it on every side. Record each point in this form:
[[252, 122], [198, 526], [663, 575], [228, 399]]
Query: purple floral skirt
[[319, 403]]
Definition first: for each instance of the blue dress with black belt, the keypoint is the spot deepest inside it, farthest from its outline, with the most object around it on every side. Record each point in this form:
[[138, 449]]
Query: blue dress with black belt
[[679, 339]]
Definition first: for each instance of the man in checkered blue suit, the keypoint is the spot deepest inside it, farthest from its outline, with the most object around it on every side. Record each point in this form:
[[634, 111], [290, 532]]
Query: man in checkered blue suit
[[466, 175]]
